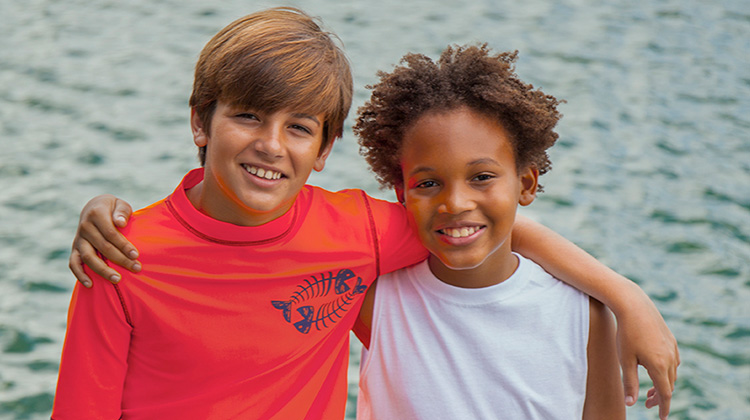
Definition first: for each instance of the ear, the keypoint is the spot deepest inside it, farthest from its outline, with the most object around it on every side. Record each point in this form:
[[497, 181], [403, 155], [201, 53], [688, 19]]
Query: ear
[[200, 138], [320, 161], [529, 180]]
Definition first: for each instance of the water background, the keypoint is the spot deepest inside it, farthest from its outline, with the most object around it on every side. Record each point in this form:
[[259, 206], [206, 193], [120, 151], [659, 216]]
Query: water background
[[651, 173]]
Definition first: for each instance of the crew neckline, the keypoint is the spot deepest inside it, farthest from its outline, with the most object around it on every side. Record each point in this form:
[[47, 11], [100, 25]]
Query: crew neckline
[[214, 230], [471, 296]]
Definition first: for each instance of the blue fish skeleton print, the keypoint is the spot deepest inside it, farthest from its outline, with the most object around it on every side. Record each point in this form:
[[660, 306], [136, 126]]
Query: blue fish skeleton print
[[321, 285]]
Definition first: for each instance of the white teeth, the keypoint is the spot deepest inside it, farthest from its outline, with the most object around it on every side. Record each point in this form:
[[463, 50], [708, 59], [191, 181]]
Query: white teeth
[[262, 173], [460, 232]]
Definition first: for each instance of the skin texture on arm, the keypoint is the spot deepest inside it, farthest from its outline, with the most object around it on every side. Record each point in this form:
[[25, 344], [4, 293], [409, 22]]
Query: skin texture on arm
[[603, 386], [642, 335]]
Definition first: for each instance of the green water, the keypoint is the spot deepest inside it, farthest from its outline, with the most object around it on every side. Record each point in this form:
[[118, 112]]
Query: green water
[[651, 174]]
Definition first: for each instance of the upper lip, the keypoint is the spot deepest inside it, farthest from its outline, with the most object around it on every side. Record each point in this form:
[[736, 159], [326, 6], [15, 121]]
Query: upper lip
[[459, 225]]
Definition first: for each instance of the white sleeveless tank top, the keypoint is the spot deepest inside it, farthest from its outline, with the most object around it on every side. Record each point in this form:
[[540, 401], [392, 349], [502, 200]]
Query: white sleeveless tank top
[[515, 350]]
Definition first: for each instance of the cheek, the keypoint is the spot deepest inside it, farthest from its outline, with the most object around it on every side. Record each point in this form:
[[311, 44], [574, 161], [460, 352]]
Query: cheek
[[419, 214]]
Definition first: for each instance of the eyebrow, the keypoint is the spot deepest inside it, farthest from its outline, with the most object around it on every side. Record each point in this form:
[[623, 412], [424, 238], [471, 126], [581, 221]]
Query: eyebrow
[[482, 161]]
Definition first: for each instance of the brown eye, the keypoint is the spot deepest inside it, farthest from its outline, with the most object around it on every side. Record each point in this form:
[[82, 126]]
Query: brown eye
[[247, 116], [301, 128], [426, 184], [483, 177]]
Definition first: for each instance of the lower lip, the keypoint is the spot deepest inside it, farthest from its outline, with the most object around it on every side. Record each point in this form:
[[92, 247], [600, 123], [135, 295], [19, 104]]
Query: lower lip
[[463, 241]]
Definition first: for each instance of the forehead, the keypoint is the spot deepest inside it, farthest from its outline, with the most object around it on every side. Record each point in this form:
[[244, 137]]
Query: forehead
[[459, 136]]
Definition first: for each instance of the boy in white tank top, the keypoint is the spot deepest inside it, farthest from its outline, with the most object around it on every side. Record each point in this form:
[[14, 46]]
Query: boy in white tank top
[[476, 331]]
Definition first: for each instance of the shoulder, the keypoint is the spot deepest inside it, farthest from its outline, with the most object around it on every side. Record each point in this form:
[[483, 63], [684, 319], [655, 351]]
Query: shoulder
[[351, 194], [148, 220], [354, 200], [537, 275], [539, 284]]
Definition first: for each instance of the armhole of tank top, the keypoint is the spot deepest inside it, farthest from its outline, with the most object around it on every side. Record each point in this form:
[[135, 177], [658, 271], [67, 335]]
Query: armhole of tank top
[[376, 249]]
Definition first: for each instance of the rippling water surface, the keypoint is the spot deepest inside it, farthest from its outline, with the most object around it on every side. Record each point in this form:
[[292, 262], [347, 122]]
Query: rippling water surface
[[651, 175]]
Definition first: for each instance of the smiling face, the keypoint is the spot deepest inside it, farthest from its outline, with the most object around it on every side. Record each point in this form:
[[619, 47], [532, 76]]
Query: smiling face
[[462, 189], [256, 163]]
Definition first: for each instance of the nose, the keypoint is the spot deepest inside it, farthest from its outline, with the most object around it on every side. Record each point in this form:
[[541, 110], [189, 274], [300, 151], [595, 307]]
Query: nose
[[270, 142], [456, 199]]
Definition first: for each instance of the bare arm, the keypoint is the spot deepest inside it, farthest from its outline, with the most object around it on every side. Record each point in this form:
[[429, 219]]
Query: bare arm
[[603, 386], [642, 335], [97, 230]]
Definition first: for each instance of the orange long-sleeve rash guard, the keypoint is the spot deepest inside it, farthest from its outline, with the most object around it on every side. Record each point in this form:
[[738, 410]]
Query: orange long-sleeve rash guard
[[227, 321]]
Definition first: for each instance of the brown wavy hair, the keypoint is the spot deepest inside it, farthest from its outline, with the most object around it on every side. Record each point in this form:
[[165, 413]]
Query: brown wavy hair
[[470, 76], [272, 60]]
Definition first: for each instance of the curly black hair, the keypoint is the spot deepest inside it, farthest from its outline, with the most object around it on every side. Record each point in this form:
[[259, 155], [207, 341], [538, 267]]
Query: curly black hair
[[469, 76]]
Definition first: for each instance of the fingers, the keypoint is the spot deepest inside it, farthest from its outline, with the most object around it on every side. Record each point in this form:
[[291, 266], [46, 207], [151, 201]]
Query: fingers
[[98, 238], [652, 398], [109, 242], [664, 385], [112, 244], [121, 214], [100, 218], [76, 266], [630, 380], [89, 257]]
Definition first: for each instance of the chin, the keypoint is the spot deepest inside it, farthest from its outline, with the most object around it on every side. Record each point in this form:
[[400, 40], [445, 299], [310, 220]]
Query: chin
[[461, 265]]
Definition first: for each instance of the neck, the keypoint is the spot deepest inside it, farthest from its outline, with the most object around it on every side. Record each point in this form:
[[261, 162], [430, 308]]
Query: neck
[[202, 201], [495, 269]]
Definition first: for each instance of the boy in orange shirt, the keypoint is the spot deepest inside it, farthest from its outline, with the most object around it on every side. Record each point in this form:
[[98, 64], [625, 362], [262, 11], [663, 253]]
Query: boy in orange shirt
[[252, 279]]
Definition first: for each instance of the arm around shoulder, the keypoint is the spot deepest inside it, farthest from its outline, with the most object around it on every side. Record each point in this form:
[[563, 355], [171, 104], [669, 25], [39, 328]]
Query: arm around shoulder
[[642, 335], [98, 236]]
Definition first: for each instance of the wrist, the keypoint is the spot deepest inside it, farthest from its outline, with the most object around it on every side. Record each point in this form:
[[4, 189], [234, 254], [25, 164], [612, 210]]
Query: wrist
[[626, 296]]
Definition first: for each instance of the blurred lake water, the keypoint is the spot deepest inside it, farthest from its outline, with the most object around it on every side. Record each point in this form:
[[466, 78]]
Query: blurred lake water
[[651, 173]]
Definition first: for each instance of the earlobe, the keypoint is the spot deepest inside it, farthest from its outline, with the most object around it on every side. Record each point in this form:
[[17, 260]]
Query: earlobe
[[320, 161], [196, 125], [529, 183]]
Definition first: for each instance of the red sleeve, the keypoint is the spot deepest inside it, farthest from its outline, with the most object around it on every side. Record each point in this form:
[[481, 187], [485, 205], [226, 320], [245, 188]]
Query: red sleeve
[[398, 242], [94, 357]]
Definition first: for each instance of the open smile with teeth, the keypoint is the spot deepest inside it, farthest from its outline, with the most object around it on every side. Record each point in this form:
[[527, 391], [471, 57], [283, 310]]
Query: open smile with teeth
[[262, 173], [462, 232]]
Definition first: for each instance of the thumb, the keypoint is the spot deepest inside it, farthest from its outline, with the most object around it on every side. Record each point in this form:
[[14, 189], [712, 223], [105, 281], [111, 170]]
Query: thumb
[[630, 380], [121, 213]]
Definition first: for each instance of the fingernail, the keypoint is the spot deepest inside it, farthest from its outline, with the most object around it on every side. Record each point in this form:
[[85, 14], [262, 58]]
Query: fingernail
[[121, 219], [629, 400], [114, 278], [133, 254], [87, 284], [136, 267]]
